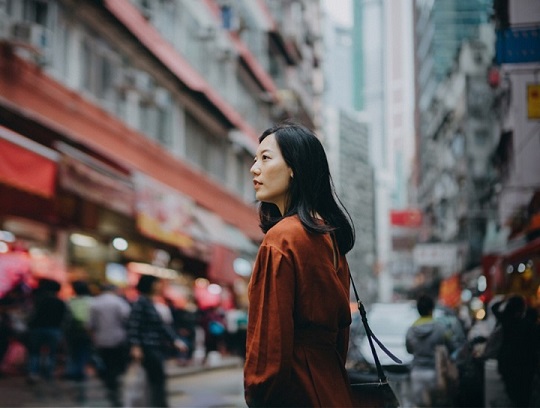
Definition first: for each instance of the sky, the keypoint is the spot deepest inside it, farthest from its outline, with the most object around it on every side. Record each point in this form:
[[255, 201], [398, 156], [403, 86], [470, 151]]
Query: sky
[[340, 10]]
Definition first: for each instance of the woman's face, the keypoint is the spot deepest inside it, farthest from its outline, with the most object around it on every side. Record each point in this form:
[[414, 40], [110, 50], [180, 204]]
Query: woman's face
[[271, 174]]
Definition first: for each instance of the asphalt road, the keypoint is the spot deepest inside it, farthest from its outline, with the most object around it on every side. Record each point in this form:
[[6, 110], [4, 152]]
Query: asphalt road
[[209, 389]]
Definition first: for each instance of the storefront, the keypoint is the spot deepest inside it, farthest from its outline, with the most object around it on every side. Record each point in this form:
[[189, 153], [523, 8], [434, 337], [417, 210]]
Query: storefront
[[86, 217], [516, 271]]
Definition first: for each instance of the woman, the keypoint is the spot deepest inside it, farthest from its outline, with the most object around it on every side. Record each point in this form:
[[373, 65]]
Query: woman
[[299, 315], [147, 334]]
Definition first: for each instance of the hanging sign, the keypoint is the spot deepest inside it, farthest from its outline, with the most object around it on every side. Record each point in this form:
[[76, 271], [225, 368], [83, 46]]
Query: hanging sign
[[533, 101]]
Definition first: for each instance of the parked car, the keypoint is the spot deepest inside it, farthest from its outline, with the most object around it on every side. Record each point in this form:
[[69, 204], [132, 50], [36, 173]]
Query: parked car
[[390, 322]]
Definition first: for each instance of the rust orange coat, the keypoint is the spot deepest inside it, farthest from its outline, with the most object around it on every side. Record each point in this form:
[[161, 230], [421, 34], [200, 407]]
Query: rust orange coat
[[298, 324]]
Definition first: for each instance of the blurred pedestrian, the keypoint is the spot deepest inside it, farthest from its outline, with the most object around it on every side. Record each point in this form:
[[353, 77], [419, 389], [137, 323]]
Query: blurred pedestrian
[[146, 334], [78, 340], [45, 330], [6, 331], [422, 341], [185, 324], [519, 350], [299, 313], [213, 323], [108, 320]]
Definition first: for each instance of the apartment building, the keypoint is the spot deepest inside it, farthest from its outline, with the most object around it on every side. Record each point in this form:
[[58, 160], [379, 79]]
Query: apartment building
[[127, 129]]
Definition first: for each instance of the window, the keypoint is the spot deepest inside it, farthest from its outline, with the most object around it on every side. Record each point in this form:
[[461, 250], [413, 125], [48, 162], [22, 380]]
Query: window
[[37, 11], [100, 69]]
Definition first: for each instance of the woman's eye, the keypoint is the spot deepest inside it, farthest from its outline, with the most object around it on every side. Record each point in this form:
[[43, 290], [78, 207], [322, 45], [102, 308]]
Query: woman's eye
[[264, 157]]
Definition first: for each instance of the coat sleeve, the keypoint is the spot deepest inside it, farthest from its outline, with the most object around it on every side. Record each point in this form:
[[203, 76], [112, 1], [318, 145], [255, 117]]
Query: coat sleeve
[[270, 333]]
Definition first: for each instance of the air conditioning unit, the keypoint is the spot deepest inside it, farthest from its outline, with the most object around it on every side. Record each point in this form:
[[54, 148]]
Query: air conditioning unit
[[30, 34], [135, 79], [206, 32], [224, 48]]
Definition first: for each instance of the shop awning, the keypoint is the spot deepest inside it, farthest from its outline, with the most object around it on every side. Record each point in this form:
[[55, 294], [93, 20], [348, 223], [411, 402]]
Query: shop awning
[[98, 184], [26, 165], [221, 268], [529, 250], [220, 233]]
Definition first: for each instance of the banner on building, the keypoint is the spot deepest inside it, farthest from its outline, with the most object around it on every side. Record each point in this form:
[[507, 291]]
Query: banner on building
[[97, 185], [533, 101], [518, 45], [164, 213], [450, 291], [409, 218], [448, 257]]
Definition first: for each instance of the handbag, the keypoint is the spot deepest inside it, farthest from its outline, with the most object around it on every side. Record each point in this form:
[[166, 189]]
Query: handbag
[[373, 394], [135, 386]]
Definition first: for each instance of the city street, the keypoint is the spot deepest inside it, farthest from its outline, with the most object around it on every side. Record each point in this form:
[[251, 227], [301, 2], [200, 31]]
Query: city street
[[218, 385], [217, 388], [194, 387]]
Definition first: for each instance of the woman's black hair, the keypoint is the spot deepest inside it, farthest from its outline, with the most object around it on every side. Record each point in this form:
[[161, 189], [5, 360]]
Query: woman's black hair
[[144, 286], [311, 190]]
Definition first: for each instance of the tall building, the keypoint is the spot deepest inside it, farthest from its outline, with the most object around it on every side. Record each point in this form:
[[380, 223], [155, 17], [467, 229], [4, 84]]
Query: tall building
[[511, 261], [440, 27], [127, 129], [382, 72], [455, 21], [347, 139], [453, 47]]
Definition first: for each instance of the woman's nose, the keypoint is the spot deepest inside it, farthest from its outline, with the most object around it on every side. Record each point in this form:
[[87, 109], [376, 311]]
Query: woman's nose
[[255, 169]]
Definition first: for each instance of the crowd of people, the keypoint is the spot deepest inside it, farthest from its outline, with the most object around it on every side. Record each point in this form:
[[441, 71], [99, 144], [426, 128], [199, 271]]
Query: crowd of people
[[449, 371], [101, 332], [104, 332]]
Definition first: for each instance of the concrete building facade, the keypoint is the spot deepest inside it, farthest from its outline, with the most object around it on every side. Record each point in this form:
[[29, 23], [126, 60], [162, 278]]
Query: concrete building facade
[[140, 119]]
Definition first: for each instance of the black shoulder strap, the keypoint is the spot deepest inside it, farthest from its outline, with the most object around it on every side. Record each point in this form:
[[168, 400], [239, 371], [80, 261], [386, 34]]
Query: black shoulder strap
[[372, 336], [363, 315]]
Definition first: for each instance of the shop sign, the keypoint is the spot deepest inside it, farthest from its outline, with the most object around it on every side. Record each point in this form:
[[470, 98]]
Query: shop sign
[[448, 257], [533, 101], [450, 291], [148, 269], [518, 45], [163, 213], [97, 185], [409, 218]]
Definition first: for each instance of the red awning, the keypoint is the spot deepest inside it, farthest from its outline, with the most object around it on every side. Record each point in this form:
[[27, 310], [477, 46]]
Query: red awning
[[221, 267], [94, 184], [531, 249], [26, 170]]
